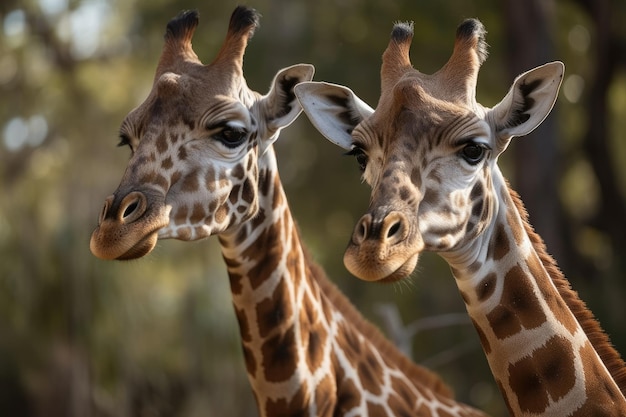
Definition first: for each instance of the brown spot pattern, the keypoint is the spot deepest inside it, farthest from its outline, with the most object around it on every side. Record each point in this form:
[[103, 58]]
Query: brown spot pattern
[[274, 311], [190, 184], [348, 339], [280, 356], [296, 407], [477, 191], [234, 194], [235, 282], [247, 192], [197, 214], [370, 373], [477, 207], [519, 307], [515, 226], [315, 348], [176, 176], [486, 287], [499, 244], [550, 295], [180, 216], [182, 154], [221, 213], [184, 233], [375, 410], [161, 144], [266, 242], [313, 334], [325, 396], [238, 172], [249, 360], [548, 374], [483, 338], [162, 182], [348, 396], [148, 178], [605, 396], [244, 325], [167, 163], [405, 193], [402, 400], [416, 177]]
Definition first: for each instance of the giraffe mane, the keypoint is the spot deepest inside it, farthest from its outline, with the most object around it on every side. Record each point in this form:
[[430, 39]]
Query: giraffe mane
[[386, 349], [590, 325]]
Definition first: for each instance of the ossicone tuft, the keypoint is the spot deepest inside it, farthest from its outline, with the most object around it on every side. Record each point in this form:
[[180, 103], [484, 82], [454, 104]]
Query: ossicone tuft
[[402, 31], [182, 26], [244, 19], [473, 28]]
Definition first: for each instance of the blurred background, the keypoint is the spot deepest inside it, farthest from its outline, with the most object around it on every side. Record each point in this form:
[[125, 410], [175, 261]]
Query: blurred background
[[157, 336]]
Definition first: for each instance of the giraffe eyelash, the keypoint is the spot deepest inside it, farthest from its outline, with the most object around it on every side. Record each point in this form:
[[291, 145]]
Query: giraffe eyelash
[[124, 140], [360, 155], [472, 141]]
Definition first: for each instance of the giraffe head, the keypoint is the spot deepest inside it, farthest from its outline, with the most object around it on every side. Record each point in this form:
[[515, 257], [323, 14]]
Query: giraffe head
[[195, 143], [428, 150]]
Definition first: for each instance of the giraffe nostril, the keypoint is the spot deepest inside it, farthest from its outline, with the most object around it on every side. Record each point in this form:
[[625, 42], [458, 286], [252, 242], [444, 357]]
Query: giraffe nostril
[[362, 229], [394, 227], [130, 209], [105, 209], [393, 230], [103, 213], [133, 207]]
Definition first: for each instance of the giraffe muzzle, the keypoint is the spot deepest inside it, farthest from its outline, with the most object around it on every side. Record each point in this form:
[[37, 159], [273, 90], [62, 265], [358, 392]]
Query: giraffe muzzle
[[128, 226], [389, 230], [381, 247]]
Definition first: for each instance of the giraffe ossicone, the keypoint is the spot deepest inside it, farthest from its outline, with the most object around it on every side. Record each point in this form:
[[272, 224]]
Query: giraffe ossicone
[[429, 151], [203, 164]]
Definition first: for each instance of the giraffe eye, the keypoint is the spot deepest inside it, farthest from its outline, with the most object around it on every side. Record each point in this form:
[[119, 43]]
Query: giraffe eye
[[360, 155], [473, 153], [125, 141], [232, 136]]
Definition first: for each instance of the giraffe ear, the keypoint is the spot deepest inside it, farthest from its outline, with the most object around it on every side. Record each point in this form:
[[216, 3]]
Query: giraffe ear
[[529, 101], [280, 106], [333, 109]]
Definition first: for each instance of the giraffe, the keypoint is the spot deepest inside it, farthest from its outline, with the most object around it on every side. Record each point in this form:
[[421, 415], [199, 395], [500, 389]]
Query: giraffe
[[203, 164], [429, 152]]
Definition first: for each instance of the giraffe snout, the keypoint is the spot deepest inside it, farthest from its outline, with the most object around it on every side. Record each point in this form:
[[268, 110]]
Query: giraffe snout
[[128, 210], [128, 225], [388, 229], [131, 208], [382, 247]]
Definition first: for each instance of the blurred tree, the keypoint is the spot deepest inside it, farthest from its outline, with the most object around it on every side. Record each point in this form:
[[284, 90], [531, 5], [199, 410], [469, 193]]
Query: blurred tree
[[537, 161]]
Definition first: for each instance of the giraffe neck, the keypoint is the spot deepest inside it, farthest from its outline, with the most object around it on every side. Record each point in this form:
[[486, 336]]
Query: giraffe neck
[[545, 349], [307, 350]]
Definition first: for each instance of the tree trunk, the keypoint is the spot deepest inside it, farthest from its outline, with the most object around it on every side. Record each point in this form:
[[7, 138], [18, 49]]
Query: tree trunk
[[536, 156]]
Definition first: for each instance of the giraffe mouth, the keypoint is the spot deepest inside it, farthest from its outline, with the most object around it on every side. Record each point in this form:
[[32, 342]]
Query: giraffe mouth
[[128, 229], [386, 270], [402, 272], [106, 244], [141, 248]]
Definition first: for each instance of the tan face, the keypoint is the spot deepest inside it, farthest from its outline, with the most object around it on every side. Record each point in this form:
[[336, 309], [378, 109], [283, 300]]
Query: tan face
[[427, 172], [195, 144], [428, 151]]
